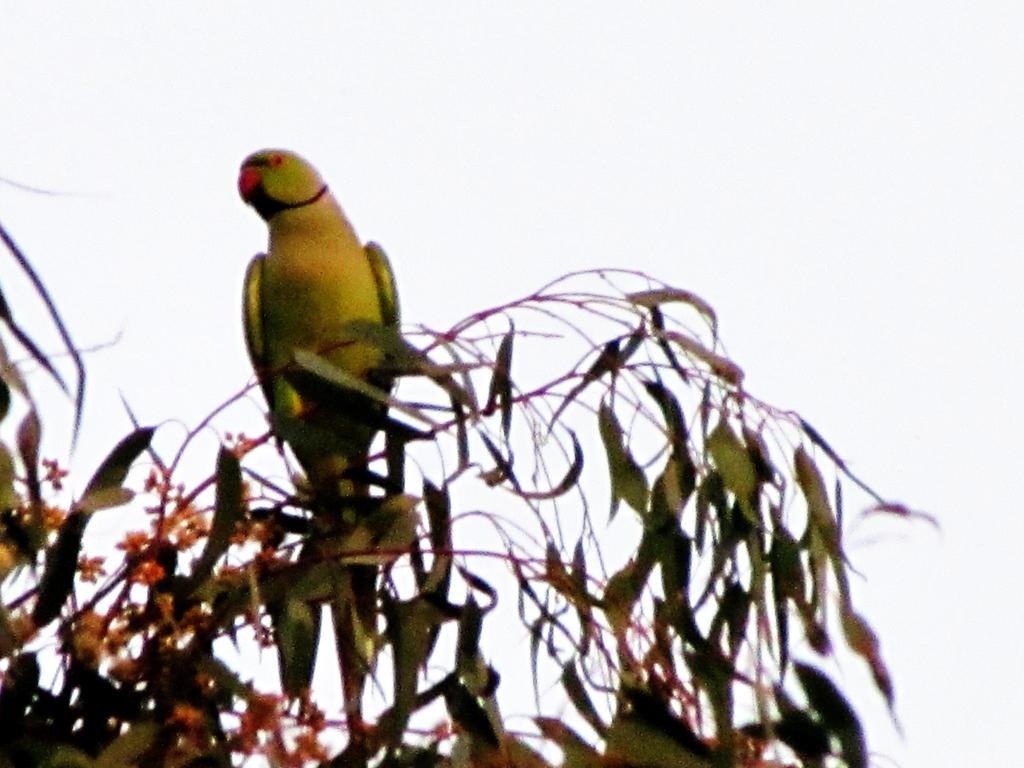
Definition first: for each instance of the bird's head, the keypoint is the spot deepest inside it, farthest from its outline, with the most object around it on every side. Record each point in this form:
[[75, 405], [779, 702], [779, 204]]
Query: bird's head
[[274, 180]]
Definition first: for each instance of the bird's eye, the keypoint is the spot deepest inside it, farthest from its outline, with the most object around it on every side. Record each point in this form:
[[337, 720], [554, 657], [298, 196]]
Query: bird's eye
[[276, 160]]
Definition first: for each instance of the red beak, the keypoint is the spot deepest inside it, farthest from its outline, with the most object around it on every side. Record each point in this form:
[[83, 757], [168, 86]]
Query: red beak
[[249, 180]]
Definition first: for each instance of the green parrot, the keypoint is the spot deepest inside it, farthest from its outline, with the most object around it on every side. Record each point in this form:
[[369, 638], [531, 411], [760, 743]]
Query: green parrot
[[319, 290]]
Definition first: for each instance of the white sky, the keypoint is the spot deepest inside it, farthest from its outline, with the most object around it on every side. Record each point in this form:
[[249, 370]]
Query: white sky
[[844, 186]]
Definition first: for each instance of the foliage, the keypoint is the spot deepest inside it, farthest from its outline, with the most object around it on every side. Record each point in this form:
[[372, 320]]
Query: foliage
[[686, 627]]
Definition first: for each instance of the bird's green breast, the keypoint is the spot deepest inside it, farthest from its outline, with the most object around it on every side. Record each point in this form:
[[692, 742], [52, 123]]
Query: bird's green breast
[[316, 281]]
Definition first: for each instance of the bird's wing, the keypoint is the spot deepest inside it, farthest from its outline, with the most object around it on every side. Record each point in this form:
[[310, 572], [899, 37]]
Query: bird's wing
[[255, 340], [387, 290]]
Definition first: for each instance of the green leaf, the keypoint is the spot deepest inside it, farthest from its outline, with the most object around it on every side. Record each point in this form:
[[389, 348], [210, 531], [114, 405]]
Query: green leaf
[[20, 689], [722, 367], [129, 748], [648, 733], [803, 734], [63, 756], [734, 465], [821, 516], [759, 455], [620, 595], [227, 513], [227, 685], [27, 343], [575, 751], [863, 640], [787, 578], [733, 611], [658, 296], [103, 490], [715, 676], [411, 630], [104, 498], [59, 573], [439, 513], [343, 382], [610, 360], [467, 712], [5, 399], [28, 437], [500, 391], [836, 713], [112, 472], [467, 650], [628, 481], [679, 438], [581, 598], [568, 481], [8, 496], [297, 629], [9, 641], [666, 498], [504, 470], [577, 693]]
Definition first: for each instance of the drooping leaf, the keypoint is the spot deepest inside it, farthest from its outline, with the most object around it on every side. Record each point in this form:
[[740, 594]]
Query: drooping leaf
[[678, 436], [103, 490], [714, 673], [5, 397], [104, 498], [815, 437], [467, 712], [500, 391], [787, 579], [479, 584], [114, 469], [439, 512], [325, 377], [297, 631], [411, 629], [468, 647], [130, 747], [611, 358], [803, 734], [658, 323], [621, 593], [227, 513], [711, 504], [28, 438], [666, 498], [628, 481], [8, 496], [9, 641], [734, 465], [575, 751], [59, 574], [821, 516], [651, 735], [63, 756], [26, 342], [835, 712], [568, 481], [721, 367], [863, 640], [658, 296], [732, 614], [577, 693], [226, 683], [503, 471], [759, 456], [20, 688], [581, 598]]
